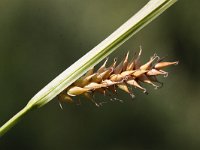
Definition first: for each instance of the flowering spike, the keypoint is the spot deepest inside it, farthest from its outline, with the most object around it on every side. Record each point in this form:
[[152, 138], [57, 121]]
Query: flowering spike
[[106, 80]]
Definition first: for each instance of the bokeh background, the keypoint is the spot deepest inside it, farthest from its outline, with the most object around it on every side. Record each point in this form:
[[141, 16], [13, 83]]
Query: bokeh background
[[41, 38]]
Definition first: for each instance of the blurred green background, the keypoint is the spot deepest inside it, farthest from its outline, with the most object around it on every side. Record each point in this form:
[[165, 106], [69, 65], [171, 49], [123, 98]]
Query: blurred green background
[[41, 38]]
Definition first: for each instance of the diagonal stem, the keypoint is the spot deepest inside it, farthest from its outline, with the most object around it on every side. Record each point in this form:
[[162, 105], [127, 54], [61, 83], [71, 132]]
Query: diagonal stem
[[16, 118], [149, 12]]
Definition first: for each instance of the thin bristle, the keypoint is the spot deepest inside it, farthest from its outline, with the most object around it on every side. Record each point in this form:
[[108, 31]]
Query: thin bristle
[[106, 79], [125, 63]]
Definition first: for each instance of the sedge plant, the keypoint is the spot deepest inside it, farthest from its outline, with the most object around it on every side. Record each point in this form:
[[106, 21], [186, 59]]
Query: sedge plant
[[144, 16]]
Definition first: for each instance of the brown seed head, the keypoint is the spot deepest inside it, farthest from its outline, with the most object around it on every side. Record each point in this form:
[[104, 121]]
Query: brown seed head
[[108, 79]]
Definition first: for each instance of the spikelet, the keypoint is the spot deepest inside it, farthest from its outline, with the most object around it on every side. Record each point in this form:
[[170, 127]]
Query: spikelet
[[121, 76]]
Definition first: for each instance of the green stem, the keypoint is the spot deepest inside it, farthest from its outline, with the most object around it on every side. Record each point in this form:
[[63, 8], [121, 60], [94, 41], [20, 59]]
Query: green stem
[[10, 123], [149, 12]]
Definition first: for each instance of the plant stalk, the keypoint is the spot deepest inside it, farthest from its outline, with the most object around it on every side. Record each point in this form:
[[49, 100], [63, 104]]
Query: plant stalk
[[16, 118], [149, 12]]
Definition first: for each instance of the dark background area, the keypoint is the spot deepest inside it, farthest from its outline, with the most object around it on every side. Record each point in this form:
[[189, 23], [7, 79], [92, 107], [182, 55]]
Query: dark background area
[[41, 38]]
